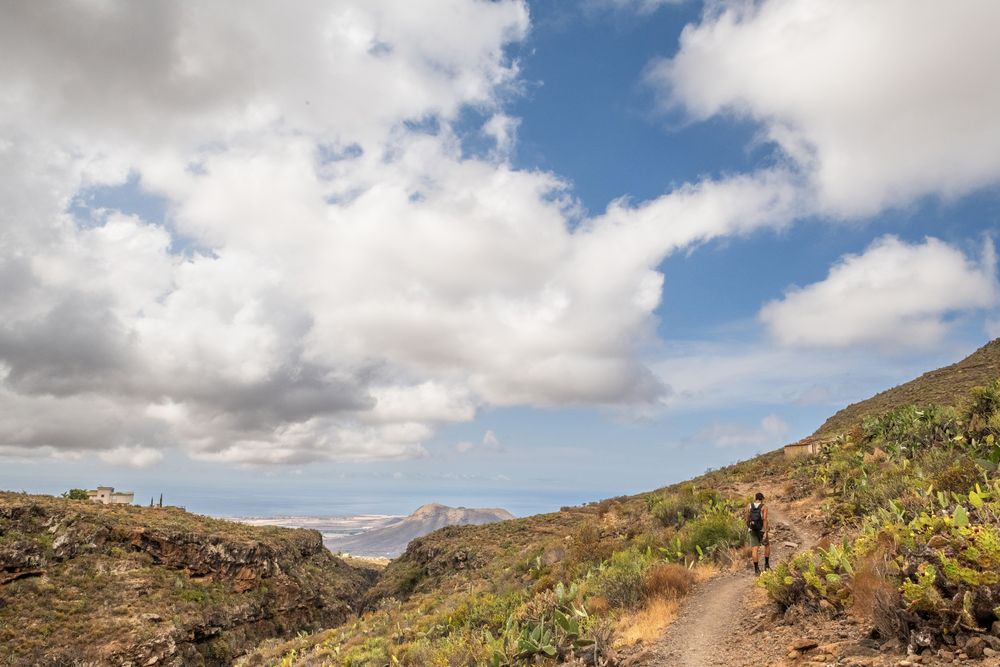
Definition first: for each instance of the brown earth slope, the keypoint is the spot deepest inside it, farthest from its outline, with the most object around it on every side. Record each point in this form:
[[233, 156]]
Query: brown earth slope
[[944, 386], [82, 583]]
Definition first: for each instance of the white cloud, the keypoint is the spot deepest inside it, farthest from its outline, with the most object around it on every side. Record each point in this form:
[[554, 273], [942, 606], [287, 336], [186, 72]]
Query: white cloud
[[894, 294], [708, 376], [769, 433], [640, 6], [349, 280], [169, 72], [878, 103], [108, 342], [132, 457], [502, 129], [489, 443]]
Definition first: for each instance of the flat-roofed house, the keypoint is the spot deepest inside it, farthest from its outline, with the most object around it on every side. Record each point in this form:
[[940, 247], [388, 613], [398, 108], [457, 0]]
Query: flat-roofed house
[[803, 447], [106, 495]]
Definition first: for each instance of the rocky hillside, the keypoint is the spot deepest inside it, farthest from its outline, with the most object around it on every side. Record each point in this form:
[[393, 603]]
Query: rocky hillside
[[82, 583], [905, 511], [390, 541], [945, 386]]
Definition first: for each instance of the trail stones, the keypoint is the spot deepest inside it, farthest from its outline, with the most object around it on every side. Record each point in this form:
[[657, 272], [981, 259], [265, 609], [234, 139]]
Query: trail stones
[[974, 647], [800, 646]]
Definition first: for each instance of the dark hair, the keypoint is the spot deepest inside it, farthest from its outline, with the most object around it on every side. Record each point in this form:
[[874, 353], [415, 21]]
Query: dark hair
[[759, 496]]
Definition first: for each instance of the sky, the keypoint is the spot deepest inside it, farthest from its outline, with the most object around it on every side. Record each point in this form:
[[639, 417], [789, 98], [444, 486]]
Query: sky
[[359, 255]]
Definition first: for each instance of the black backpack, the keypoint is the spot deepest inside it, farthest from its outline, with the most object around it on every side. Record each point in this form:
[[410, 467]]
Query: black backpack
[[756, 520]]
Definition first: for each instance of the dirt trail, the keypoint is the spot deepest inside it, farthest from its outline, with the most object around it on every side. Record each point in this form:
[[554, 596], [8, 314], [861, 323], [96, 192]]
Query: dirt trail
[[705, 619], [715, 618]]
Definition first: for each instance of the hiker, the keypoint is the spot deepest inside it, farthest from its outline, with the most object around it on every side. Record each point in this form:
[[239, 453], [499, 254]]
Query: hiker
[[759, 526]]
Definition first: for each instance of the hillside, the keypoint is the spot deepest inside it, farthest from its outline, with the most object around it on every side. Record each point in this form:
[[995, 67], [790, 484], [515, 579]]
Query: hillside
[[391, 540], [82, 583], [905, 512], [944, 386]]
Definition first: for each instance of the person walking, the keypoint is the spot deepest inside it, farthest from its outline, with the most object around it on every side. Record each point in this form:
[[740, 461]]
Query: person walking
[[758, 524]]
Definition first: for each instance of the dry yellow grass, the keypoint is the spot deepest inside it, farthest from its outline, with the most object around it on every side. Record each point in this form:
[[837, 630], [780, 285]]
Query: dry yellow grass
[[647, 624]]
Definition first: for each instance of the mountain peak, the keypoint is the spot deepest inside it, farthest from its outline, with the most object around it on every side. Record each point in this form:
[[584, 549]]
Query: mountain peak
[[391, 540]]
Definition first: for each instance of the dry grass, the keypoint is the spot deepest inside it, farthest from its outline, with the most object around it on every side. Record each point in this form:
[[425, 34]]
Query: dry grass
[[705, 571], [648, 623], [876, 600], [598, 605], [665, 586], [667, 580], [366, 562]]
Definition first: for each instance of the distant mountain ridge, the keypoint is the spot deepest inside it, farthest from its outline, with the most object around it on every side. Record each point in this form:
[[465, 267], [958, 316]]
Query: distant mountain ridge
[[390, 541], [949, 385]]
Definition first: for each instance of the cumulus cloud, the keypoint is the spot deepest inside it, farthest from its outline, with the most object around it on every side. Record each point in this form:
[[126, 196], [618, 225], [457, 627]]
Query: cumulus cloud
[[877, 103], [894, 293], [769, 433], [169, 72], [336, 277]]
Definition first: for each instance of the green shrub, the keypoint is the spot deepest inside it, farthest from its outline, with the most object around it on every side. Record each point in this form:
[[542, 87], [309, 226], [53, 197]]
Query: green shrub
[[192, 595], [674, 511], [587, 547], [486, 610], [709, 533], [811, 578], [937, 574], [959, 477], [621, 582]]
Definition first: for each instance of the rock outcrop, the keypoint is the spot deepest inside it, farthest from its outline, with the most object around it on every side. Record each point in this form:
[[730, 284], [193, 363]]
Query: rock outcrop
[[391, 541], [89, 584]]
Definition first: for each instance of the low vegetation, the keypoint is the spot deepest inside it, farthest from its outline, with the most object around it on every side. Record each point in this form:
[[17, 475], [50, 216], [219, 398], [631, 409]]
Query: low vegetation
[[919, 493], [907, 482], [938, 387], [568, 587]]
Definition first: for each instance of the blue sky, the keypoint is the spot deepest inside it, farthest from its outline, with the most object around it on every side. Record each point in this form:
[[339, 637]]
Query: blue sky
[[567, 251]]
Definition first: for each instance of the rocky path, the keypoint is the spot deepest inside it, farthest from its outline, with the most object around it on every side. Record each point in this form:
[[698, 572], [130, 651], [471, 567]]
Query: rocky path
[[706, 619], [716, 622]]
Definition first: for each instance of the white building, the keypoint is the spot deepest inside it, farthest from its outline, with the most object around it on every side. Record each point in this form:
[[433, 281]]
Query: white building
[[107, 495]]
